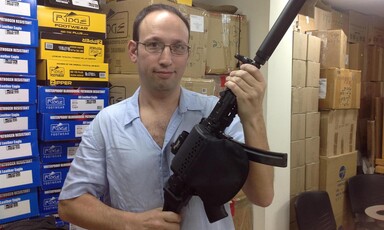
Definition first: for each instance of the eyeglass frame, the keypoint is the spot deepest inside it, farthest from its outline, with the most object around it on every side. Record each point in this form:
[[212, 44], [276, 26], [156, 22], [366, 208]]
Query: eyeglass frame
[[145, 44]]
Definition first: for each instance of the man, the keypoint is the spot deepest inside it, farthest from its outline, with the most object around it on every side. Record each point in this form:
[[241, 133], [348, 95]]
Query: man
[[124, 156]]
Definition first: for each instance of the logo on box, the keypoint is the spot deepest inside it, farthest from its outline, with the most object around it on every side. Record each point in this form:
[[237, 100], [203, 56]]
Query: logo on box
[[71, 18], [55, 101], [52, 176], [60, 128], [57, 71], [52, 150], [50, 203]]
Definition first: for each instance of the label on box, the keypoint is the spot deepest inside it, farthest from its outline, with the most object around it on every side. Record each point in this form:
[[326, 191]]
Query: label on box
[[18, 31], [19, 174], [92, 4], [17, 89], [17, 60], [17, 205], [71, 100], [18, 145], [323, 88], [23, 8], [17, 117], [54, 152]]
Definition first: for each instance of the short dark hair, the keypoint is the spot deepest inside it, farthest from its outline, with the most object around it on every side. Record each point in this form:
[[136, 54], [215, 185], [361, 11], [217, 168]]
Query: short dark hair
[[155, 7]]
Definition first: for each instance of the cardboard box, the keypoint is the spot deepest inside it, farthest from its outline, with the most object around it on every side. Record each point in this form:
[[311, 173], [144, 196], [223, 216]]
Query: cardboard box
[[297, 180], [297, 155], [312, 74], [65, 47], [121, 15], [20, 8], [376, 30], [300, 46], [18, 145], [299, 72], [16, 89], [53, 175], [58, 151], [122, 86], [303, 23], [297, 126], [203, 86], [333, 52], [357, 27], [63, 127], [339, 89], [358, 59], [73, 22], [375, 63], [312, 124], [70, 73], [334, 173], [312, 176], [312, 149], [17, 117], [323, 19], [299, 101], [16, 31], [338, 131], [18, 205], [17, 60], [68, 100], [227, 36], [311, 95], [313, 50], [20, 174]]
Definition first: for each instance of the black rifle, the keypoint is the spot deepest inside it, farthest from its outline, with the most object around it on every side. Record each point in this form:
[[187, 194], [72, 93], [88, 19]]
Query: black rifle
[[208, 163]]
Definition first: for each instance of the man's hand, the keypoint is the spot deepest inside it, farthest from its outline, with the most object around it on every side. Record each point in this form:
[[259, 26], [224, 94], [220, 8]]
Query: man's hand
[[155, 219]]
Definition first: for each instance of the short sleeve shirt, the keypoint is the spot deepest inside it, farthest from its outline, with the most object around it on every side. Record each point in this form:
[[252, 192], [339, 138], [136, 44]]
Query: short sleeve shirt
[[118, 160]]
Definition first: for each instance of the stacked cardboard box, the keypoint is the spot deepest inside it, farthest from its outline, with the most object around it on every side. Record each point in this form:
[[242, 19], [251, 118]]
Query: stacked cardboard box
[[305, 123]]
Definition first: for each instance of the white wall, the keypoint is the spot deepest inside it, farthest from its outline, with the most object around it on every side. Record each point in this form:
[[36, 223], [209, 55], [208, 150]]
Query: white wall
[[261, 15]]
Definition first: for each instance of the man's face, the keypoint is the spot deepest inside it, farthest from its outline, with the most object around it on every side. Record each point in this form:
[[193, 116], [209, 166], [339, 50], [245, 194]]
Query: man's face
[[161, 71]]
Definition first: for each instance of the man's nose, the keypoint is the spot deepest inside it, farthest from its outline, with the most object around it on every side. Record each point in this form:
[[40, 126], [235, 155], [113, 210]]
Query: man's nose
[[166, 56]]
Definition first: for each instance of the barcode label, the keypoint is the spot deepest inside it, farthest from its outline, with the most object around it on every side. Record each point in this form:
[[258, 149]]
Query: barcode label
[[93, 5], [12, 32], [13, 147], [13, 175], [10, 61], [12, 91], [48, 46], [11, 3], [102, 75], [90, 102], [9, 120], [13, 205]]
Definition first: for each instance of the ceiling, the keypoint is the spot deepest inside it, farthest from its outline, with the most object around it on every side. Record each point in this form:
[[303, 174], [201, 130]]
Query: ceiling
[[371, 7]]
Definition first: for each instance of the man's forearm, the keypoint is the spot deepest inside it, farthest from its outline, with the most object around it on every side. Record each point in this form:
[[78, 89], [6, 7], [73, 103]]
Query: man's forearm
[[88, 212]]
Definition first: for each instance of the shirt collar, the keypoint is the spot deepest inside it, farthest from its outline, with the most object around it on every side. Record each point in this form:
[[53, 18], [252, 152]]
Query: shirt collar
[[187, 102]]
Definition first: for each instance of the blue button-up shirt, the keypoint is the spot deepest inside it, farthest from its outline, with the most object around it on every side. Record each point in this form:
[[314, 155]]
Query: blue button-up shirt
[[119, 160]]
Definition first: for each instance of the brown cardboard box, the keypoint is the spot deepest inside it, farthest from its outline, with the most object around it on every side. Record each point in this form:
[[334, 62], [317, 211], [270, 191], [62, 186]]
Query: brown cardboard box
[[357, 27], [299, 71], [313, 74], [311, 95], [312, 149], [312, 176], [323, 19], [313, 50], [333, 48], [312, 124], [297, 126], [122, 86], [300, 41], [358, 58], [120, 17], [338, 131], [203, 86], [303, 23], [339, 89], [227, 36], [297, 180], [375, 63], [334, 173], [376, 30], [299, 104], [297, 153]]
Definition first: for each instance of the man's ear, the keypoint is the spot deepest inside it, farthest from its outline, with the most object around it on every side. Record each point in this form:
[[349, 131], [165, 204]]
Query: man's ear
[[132, 50]]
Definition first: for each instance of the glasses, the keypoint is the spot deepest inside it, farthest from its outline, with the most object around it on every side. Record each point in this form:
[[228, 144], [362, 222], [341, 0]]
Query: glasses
[[158, 47]]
